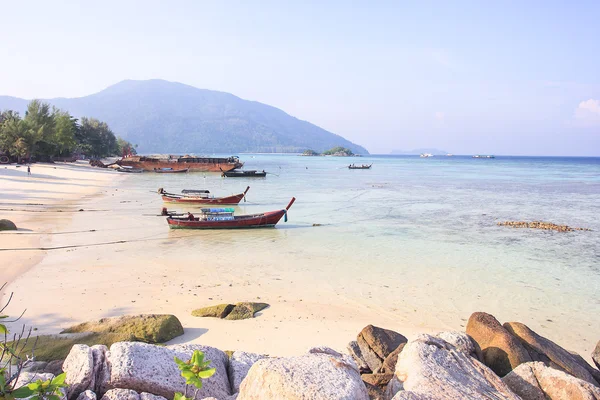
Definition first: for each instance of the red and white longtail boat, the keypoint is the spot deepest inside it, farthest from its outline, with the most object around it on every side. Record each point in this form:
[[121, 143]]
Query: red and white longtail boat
[[202, 197], [223, 218]]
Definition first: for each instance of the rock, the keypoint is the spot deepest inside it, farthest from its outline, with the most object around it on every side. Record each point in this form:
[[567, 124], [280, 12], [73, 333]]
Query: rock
[[462, 342], [101, 371], [150, 368], [431, 367], [357, 356], [312, 376], [218, 311], [245, 310], [7, 225], [380, 380], [376, 344], [87, 395], [55, 367], [239, 365], [393, 387], [150, 396], [536, 381], [149, 328], [501, 351], [596, 355], [121, 394], [79, 367], [328, 350], [539, 345], [410, 396], [36, 366], [593, 371], [26, 378], [389, 364], [374, 392]]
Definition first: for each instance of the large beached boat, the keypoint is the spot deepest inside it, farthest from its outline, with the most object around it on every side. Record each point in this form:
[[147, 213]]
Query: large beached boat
[[201, 197], [175, 163]]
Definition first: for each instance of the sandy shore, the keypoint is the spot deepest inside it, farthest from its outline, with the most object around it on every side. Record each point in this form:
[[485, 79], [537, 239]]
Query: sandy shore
[[117, 257]]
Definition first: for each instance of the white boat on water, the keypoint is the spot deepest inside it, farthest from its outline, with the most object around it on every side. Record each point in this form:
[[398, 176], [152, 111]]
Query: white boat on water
[[424, 155], [480, 156]]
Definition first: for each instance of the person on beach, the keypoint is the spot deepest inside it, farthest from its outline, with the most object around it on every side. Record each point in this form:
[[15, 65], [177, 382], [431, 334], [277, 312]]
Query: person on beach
[[28, 170]]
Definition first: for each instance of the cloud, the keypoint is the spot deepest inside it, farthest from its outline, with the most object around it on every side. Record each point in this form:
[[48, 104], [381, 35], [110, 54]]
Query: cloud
[[588, 112], [440, 115]]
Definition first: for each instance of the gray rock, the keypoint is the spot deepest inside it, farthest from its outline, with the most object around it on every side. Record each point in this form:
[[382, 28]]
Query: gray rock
[[55, 367], [87, 395], [79, 367], [239, 365], [150, 396], [26, 378], [101, 373], [313, 376], [431, 367], [462, 342], [36, 366], [393, 387], [411, 396], [536, 381], [354, 351], [369, 356], [121, 394], [7, 225], [150, 368], [328, 350]]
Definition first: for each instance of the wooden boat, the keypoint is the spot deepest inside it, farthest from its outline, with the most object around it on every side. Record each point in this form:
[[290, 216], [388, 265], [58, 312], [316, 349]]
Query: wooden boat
[[170, 171], [193, 164], [202, 197], [352, 166], [244, 174], [223, 218], [130, 170]]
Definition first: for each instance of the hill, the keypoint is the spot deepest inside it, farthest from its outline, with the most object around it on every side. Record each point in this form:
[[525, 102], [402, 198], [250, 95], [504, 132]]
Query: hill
[[169, 117]]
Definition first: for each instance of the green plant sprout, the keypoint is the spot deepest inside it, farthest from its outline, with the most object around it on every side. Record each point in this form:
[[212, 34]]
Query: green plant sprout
[[194, 371]]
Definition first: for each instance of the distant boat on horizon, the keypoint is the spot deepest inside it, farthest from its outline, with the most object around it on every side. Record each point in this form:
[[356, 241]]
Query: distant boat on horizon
[[425, 155], [481, 156]]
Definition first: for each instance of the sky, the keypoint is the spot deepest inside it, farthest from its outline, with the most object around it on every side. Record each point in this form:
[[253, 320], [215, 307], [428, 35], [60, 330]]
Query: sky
[[503, 77]]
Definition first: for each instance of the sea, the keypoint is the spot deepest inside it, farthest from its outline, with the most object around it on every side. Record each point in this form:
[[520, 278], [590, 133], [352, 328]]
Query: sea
[[418, 237]]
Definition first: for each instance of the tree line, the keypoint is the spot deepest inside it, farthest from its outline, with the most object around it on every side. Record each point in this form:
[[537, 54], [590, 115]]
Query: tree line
[[46, 133]]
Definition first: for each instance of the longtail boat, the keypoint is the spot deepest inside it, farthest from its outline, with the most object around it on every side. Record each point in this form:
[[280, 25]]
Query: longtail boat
[[130, 170], [202, 197], [244, 174], [223, 218], [170, 170], [364, 166], [193, 164]]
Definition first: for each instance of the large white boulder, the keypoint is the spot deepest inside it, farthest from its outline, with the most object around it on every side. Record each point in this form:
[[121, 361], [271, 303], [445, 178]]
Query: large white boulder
[[240, 363], [149, 368], [315, 376], [429, 367]]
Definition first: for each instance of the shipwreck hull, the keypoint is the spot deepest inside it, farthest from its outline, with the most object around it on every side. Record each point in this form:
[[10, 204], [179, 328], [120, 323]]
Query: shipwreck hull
[[177, 165]]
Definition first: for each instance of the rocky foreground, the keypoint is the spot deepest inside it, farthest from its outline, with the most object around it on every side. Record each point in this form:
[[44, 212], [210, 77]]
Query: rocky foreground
[[489, 361]]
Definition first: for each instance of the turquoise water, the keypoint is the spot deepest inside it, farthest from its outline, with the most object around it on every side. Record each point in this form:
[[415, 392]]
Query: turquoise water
[[415, 239]]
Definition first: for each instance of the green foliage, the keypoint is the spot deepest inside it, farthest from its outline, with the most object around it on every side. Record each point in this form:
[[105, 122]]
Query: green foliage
[[338, 150], [44, 133], [43, 390], [310, 152], [125, 148], [193, 370]]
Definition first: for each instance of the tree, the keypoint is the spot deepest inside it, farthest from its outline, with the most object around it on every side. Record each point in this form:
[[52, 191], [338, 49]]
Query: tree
[[41, 124], [124, 148], [64, 141], [16, 137], [96, 138]]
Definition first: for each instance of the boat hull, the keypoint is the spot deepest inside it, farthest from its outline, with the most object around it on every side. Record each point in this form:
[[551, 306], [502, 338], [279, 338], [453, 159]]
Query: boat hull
[[265, 220], [230, 200], [171, 171], [175, 165]]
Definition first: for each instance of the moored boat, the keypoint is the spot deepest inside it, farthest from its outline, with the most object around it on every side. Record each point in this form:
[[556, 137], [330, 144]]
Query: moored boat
[[224, 218], [244, 174], [170, 170], [364, 166], [193, 164], [201, 197], [130, 170]]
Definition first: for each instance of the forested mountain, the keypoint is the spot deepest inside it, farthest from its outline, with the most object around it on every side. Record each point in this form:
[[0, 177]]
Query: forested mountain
[[168, 117]]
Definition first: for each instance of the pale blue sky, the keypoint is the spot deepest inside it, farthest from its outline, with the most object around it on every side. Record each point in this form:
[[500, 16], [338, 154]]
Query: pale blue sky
[[504, 77]]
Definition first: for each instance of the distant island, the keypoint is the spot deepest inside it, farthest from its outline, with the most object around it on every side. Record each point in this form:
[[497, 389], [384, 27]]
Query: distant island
[[416, 152], [172, 118], [337, 151]]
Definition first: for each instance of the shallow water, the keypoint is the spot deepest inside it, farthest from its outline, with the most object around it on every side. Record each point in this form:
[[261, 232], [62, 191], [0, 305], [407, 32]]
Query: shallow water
[[418, 237], [414, 239]]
